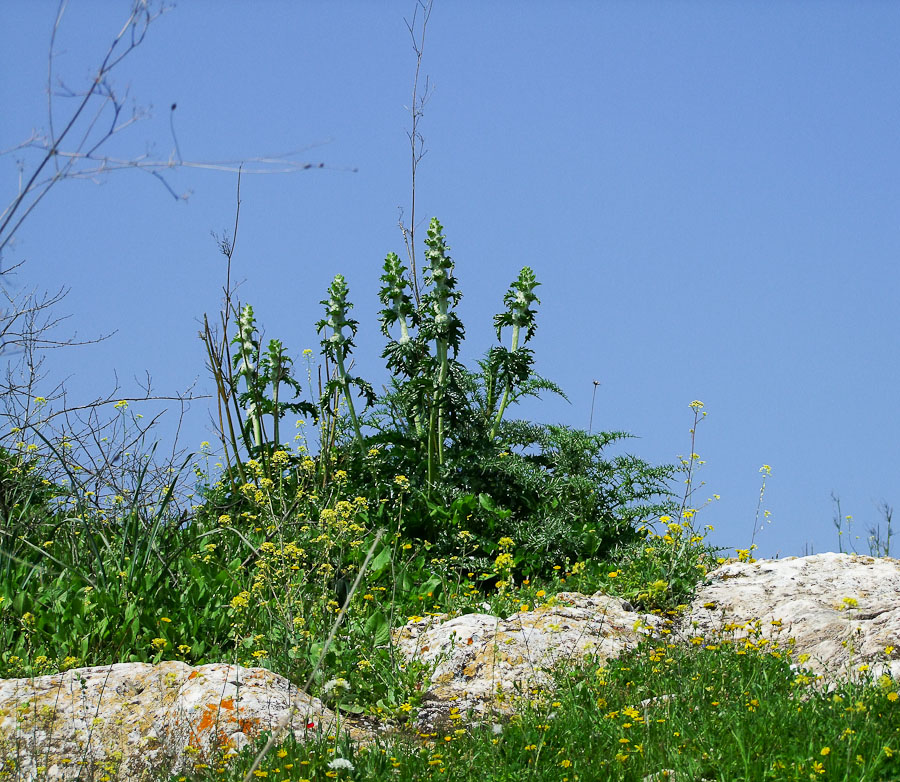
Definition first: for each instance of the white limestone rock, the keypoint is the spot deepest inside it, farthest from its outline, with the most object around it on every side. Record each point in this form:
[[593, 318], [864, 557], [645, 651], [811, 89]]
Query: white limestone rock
[[133, 720], [842, 610], [482, 661]]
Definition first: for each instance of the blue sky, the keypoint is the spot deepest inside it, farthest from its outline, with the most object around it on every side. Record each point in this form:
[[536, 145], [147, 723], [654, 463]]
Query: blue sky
[[708, 192]]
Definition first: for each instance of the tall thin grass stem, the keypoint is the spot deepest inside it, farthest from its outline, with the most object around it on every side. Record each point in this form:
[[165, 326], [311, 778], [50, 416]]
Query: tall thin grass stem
[[283, 723]]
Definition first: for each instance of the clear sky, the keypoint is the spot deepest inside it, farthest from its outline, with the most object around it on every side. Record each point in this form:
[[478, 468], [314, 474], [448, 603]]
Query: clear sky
[[708, 192]]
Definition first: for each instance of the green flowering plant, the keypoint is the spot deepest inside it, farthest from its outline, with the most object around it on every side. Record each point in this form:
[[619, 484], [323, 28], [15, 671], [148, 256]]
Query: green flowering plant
[[265, 375], [405, 355], [428, 393], [337, 347], [254, 387], [509, 369], [448, 428]]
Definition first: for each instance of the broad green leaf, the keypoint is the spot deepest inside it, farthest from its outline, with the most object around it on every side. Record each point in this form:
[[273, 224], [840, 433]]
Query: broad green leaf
[[378, 627], [380, 562]]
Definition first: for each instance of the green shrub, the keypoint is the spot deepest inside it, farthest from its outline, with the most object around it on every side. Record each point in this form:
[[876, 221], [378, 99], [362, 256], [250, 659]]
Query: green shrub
[[444, 429]]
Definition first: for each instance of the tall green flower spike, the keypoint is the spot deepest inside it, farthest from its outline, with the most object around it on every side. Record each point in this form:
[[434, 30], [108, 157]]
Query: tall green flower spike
[[512, 367], [259, 371], [518, 300], [405, 355], [245, 359], [398, 304], [442, 324], [337, 347], [276, 370]]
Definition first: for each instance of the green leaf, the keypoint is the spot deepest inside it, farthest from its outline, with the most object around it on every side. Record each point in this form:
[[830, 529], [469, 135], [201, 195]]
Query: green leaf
[[430, 586], [378, 627], [380, 562]]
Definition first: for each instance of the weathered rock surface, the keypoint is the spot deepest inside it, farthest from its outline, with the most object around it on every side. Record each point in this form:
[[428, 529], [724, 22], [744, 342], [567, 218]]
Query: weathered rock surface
[[481, 660], [842, 610], [130, 720]]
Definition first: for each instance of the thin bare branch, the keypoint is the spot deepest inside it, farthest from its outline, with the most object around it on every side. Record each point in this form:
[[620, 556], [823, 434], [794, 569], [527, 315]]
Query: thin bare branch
[[50, 152], [416, 140], [74, 150]]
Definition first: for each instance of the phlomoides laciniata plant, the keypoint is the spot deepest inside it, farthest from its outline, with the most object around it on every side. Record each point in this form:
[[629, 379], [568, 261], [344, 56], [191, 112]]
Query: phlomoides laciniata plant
[[336, 346], [431, 389], [443, 426], [250, 388], [509, 369], [430, 386], [264, 375]]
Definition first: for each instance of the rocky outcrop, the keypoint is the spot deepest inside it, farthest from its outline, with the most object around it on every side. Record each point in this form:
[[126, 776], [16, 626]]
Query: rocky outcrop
[[482, 661], [840, 611], [131, 720]]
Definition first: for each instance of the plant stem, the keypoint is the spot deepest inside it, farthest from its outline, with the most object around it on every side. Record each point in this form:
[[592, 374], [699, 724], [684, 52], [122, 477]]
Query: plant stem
[[506, 392], [339, 357], [275, 433]]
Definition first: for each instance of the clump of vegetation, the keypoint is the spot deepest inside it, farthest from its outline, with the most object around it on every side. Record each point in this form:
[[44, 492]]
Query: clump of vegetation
[[467, 504], [426, 499], [472, 470]]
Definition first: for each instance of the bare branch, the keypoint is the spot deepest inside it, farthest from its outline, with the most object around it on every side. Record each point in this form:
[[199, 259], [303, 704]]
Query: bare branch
[[416, 140], [74, 151], [53, 142]]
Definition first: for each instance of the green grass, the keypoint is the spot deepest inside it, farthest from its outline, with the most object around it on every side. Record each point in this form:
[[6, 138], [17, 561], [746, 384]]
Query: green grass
[[731, 712], [726, 711]]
